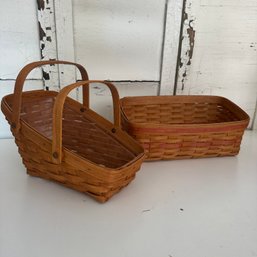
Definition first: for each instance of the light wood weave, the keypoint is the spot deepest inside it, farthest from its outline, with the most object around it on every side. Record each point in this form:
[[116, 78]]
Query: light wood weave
[[178, 127], [62, 140]]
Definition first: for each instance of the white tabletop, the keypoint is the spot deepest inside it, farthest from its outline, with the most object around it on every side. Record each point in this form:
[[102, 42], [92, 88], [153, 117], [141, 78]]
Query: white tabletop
[[186, 208]]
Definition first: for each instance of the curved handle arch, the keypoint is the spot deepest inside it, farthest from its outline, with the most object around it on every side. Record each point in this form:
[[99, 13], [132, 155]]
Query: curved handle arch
[[20, 80], [58, 114]]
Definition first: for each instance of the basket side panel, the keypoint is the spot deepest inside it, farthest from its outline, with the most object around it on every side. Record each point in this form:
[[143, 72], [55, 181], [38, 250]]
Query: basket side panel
[[190, 145]]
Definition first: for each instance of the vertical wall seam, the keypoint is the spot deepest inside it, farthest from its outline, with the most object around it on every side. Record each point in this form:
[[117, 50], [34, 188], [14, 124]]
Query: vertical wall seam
[[254, 120], [163, 43], [56, 45], [180, 46]]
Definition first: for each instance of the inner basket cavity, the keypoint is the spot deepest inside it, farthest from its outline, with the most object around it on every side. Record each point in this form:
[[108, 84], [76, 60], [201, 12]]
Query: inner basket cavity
[[179, 113], [80, 134]]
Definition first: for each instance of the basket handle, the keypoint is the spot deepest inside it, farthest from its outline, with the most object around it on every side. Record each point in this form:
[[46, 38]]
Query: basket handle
[[20, 82], [58, 113]]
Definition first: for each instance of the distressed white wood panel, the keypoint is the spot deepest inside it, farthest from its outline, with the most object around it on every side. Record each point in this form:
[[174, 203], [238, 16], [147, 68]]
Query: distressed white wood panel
[[220, 57], [65, 42], [18, 37], [7, 87], [100, 96], [48, 44], [56, 42], [119, 40], [171, 45]]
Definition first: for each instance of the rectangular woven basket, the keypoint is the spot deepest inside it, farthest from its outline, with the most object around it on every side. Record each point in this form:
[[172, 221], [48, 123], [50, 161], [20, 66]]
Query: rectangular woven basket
[[63, 140], [178, 127]]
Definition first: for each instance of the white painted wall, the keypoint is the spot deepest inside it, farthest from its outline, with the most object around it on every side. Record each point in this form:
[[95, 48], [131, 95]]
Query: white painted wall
[[119, 39], [19, 45], [224, 60], [101, 100], [18, 37], [171, 46]]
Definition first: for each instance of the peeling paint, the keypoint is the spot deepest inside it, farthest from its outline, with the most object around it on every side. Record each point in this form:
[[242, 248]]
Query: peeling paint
[[46, 75], [42, 33], [191, 35], [187, 45], [48, 47], [41, 4]]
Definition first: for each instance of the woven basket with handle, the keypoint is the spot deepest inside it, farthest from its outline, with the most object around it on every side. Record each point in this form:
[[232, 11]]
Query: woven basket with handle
[[62, 140], [178, 127]]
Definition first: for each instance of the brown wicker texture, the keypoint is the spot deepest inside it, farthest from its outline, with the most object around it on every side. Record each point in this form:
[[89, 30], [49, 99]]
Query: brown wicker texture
[[179, 127], [62, 140]]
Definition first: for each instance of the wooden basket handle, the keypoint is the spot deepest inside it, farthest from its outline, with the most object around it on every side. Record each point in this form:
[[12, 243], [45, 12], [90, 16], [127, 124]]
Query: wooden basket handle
[[20, 82], [58, 113]]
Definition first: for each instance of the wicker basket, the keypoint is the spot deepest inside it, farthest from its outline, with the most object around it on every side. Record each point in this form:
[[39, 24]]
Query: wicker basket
[[62, 140], [178, 127]]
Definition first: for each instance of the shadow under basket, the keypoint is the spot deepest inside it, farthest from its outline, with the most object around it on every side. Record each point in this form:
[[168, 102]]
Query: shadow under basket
[[180, 127], [60, 139]]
